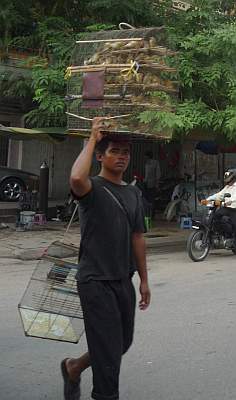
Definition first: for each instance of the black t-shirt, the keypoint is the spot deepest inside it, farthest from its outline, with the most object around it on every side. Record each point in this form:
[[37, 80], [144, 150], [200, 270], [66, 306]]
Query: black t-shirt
[[106, 229]]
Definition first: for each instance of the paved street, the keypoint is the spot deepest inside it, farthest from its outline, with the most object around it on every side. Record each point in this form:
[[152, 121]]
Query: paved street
[[184, 345]]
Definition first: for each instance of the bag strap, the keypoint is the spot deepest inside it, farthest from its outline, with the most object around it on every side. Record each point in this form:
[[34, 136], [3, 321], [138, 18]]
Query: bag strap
[[120, 204]]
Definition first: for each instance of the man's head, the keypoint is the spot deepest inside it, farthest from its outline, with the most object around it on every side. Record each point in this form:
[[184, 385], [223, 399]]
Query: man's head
[[113, 151], [230, 177]]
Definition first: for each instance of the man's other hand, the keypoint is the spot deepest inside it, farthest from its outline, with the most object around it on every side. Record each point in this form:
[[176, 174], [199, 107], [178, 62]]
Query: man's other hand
[[145, 296]]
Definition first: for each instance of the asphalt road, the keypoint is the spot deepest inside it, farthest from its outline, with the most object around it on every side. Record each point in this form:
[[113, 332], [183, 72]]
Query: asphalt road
[[184, 346]]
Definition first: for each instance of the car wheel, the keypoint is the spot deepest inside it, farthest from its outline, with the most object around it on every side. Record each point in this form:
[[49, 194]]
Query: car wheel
[[11, 188]]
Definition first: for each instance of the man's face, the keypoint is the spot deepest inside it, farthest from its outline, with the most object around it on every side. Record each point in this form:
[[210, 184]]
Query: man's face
[[116, 157]]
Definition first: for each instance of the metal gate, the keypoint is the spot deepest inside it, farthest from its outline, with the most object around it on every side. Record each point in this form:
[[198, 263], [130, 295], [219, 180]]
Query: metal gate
[[137, 160]]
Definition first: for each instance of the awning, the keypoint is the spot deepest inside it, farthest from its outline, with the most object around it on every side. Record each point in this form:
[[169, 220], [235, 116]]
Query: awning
[[59, 134], [55, 135]]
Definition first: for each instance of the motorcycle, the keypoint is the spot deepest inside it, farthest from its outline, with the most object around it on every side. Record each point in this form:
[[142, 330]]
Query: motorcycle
[[207, 234], [164, 193], [69, 209], [178, 206]]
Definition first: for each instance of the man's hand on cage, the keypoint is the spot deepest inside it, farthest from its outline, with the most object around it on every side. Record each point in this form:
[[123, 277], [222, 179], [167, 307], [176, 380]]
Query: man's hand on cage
[[98, 125]]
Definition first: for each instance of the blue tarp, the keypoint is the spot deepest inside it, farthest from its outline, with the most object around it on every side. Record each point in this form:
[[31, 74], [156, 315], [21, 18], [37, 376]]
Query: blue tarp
[[208, 147], [211, 147]]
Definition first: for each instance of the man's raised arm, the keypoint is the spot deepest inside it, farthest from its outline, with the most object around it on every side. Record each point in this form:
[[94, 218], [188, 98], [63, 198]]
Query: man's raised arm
[[79, 178]]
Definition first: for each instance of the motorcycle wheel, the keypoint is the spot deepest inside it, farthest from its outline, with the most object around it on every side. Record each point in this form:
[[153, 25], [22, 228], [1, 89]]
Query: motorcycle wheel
[[194, 246]]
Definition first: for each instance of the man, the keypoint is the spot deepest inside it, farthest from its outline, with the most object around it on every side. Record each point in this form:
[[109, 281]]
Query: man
[[112, 247], [230, 202], [151, 179]]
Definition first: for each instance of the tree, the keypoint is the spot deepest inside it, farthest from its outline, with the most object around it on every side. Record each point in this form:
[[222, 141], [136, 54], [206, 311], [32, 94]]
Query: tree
[[206, 39], [204, 36], [51, 29], [137, 12]]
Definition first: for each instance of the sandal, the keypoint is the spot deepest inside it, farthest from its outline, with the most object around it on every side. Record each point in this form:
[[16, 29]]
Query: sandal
[[71, 389]]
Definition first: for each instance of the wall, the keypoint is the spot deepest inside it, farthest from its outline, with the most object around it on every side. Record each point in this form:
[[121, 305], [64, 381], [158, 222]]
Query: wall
[[64, 156], [14, 146], [59, 158], [34, 153], [209, 166], [230, 160]]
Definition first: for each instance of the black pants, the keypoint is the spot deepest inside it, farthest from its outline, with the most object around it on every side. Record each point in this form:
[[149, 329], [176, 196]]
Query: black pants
[[225, 212], [109, 309]]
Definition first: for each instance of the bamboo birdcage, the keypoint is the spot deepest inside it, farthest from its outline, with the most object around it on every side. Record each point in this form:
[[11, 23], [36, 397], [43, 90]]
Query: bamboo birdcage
[[135, 64], [50, 307]]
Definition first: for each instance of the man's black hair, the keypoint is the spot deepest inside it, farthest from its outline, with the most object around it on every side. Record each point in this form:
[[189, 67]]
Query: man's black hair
[[102, 146]]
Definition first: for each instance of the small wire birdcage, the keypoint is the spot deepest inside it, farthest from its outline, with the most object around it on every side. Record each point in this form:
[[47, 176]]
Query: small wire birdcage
[[50, 307], [135, 66]]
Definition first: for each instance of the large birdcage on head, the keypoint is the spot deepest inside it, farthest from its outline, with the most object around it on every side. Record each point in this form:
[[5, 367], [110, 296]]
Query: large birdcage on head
[[50, 307], [132, 72]]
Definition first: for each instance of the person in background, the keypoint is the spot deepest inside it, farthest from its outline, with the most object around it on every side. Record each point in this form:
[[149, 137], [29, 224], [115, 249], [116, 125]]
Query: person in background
[[229, 210]]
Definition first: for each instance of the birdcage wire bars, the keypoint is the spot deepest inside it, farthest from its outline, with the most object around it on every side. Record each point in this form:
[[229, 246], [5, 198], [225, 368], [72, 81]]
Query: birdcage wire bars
[[91, 53], [50, 307]]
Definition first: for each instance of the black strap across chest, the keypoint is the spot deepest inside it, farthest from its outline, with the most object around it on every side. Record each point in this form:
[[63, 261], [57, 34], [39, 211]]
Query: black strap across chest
[[120, 204]]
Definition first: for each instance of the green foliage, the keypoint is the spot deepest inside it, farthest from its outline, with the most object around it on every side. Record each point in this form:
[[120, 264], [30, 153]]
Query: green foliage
[[15, 86], [204, 36], [100, 27], [54, 39], [137, 12], [206, 40], [185, 118], [48, 81], [49, 87], [49, 30]]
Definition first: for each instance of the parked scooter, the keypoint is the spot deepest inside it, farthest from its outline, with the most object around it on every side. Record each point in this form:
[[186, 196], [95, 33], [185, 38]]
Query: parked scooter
[[164, 192], [179, 205], [208, 235], [65, 212]]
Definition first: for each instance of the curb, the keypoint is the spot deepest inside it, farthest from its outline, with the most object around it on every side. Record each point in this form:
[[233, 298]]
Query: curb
[[166, 238], [167, 245]]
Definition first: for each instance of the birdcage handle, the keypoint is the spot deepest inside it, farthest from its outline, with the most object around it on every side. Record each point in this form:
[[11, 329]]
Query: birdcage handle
[[90, 119], [124, 25]]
